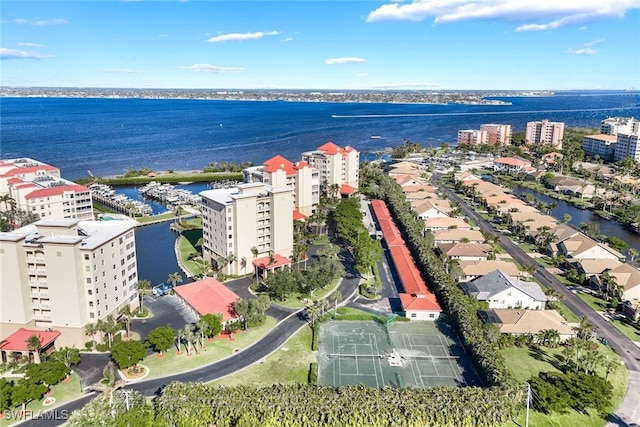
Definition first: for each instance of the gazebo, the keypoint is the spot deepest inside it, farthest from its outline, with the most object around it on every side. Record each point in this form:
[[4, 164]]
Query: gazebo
[[264, 265], [17, 342]]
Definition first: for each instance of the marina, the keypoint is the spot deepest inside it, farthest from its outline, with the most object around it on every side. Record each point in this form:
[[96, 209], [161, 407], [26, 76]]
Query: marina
[[121, 203], [169, 195]]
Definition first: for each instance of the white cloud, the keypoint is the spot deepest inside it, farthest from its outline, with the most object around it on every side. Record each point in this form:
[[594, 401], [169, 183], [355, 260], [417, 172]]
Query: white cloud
[[406, 85], [584, 51], [27, 44], [587, 50], [591, 43], [21, 54], [207, 68], [288, 39], [541, 14], [233, 37], [349, 60], [36, 22]]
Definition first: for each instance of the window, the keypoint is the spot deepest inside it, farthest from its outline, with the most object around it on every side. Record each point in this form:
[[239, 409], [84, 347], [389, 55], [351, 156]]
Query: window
[[86, 257], [413, 315], [90, 292], [88, 280], [92, 315]]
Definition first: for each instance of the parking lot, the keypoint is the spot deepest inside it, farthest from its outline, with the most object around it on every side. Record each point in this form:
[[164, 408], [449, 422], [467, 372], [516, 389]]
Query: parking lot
[[167, 310]]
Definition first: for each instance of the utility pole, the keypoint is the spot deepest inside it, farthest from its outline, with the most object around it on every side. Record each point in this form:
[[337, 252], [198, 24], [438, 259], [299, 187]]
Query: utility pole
[[526, 422]]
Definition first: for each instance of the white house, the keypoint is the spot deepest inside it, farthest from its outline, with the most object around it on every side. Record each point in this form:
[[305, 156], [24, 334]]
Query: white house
[[503, 291]]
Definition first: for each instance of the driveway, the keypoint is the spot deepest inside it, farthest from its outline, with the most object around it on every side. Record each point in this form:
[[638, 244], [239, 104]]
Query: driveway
[[167, 310]]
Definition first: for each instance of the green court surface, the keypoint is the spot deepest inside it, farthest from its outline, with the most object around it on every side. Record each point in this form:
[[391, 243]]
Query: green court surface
[[418, 354]]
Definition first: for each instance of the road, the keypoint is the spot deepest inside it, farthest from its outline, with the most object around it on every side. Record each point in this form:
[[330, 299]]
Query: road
[[628, 414], [289, 323]]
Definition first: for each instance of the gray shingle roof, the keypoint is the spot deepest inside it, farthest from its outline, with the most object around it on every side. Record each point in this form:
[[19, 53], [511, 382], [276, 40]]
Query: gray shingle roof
[[495, 282]]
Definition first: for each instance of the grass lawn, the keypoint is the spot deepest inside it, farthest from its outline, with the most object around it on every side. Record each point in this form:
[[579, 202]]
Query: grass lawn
[[289, 364], [220, 348], [525, 363], [145, 219], [62, 392], [564, 280], [598, 304], [528, 248], [564, 311], [629, 331], [296, 300]]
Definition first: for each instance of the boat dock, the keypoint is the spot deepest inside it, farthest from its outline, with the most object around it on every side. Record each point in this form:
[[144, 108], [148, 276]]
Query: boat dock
[[120, 203]]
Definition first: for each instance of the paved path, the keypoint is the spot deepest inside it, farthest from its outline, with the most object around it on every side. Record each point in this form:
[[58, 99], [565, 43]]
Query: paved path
[[290, 322], [628, 414]]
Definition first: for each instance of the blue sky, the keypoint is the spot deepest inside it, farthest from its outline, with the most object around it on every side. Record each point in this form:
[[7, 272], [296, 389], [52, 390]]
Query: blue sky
[[424, 44]]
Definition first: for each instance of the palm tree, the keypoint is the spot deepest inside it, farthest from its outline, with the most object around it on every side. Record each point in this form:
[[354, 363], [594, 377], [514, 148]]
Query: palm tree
[[202, 326], [178, 339], [144, 289], [323, 304], [337, 296], [91, 329], [633, 253], [127, 314], [174, 278], [35, 346], [109, 383], [254, 252], [610, 366], [314, 312], [110, 327], [189, 334], [9, 202]]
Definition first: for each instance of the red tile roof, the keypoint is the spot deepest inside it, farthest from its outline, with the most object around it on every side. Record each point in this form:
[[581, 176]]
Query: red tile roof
[[347, 189], [380, 209], [208, 296], [512, 161], [17, 340], [330, 148], [426, 302], [410, 277], [30, 169], [297, 216], [279, 163], [53, 191], [278, 261]]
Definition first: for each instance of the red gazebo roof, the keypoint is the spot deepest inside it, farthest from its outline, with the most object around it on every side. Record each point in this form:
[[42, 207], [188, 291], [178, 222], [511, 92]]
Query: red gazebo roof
[[278, 261], [17, 340], [209, 296]]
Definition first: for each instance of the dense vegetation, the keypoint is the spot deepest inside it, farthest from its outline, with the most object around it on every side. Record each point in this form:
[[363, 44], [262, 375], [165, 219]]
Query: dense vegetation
[[462, 311]]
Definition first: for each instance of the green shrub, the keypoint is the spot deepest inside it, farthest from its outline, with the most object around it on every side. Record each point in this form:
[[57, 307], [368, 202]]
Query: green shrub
[[315, 339], [313, 373]]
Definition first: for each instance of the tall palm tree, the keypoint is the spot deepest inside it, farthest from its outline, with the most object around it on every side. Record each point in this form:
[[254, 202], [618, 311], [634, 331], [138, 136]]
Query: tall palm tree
[[110, 327], [126, 315], [202, 327], [91, 329], [35, 346], [188, 337], [178, 337], [254, 252], [144, 289], [174, 278]]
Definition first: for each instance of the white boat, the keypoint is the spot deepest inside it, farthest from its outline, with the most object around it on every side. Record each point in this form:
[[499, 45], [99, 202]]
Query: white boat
[[376, 137]]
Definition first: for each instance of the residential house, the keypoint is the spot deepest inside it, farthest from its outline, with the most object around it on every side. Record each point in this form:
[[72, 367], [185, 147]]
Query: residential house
[[465, 251], [473, 269], [583, 247], [503, 291], [520, 322], [626, 276], [432, 208], [456, 235], [435, 224]]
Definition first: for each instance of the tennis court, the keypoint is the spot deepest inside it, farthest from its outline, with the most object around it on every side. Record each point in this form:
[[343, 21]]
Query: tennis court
[[412, 354]]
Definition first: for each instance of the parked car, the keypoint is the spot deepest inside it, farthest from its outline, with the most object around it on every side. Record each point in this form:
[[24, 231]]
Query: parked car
[[161, 289]]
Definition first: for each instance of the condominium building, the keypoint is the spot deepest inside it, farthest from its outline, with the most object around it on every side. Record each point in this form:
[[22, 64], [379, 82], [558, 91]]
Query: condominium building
[[302, 179], [472, 137], [616, 125], [245, 222], [545, 132], [38, 188], [600, 145], [497, 134], [627, 145], [338, 167], [65, 273]]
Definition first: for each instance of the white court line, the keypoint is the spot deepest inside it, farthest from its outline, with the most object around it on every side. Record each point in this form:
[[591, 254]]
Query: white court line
[[373, 360], [417, 378]]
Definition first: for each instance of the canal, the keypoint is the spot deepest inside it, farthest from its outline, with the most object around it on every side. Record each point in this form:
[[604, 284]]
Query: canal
[[578, 216]]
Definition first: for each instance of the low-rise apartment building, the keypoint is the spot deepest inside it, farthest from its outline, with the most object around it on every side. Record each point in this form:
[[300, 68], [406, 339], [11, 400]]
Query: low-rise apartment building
[[38, 188], [245, 222], [627, 145], [65, 273], [602, 145]]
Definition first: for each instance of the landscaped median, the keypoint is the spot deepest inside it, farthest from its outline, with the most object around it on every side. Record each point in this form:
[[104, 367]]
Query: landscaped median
[[221, 347]]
